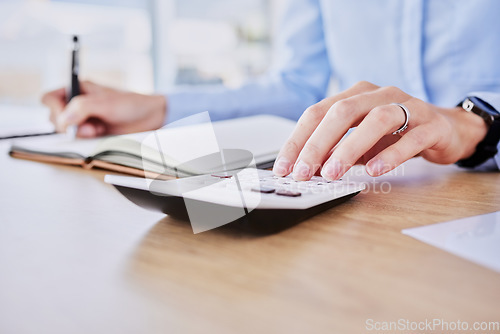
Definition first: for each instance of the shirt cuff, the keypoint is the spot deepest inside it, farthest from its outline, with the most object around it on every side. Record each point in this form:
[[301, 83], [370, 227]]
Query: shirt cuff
[[492, 98]]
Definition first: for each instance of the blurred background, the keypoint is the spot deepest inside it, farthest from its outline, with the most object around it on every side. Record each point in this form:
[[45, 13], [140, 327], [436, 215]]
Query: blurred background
[[140, 45]]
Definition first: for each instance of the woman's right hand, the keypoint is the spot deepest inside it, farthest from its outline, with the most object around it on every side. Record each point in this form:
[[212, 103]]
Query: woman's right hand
[[102, 111]]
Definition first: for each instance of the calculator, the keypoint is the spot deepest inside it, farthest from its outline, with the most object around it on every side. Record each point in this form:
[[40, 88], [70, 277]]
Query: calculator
[[251, 198]]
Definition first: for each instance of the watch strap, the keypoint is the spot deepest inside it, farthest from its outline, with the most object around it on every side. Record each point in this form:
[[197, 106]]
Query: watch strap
[[488, 147], [480, 108], [485, 150]]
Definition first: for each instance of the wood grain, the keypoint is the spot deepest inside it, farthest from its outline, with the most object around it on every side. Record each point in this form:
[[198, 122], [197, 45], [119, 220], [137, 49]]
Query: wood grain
[[76, 257]]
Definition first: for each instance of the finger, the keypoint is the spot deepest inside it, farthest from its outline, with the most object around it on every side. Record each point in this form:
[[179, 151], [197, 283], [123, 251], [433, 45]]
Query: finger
[[308, 123], [340, 118], [55, 98], [89, 87], [86, 130], [379, 122], [91, 128], [78, 110], [100, 129], [305, 126], [56, 101], [411, 144]]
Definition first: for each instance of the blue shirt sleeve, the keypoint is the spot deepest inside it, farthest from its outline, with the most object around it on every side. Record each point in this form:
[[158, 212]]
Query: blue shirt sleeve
[[299, 78]]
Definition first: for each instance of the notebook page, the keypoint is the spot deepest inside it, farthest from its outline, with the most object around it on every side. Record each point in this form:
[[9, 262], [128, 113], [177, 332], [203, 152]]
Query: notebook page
[[57, 145], [262, 135]]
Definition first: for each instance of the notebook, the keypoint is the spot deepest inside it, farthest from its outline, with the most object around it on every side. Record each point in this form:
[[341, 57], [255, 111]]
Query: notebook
[[167, 151]]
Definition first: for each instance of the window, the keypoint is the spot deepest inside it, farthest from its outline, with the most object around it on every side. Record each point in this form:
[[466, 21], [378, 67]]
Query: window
[[139, 45]]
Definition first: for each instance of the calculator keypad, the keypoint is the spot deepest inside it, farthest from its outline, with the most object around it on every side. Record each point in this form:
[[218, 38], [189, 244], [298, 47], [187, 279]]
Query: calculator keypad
[[267, 183]]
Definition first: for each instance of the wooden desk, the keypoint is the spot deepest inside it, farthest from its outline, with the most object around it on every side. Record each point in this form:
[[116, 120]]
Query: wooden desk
[[76, 257]]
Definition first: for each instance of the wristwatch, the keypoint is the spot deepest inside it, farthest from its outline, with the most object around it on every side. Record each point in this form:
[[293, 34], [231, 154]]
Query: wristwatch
[[488, 147]]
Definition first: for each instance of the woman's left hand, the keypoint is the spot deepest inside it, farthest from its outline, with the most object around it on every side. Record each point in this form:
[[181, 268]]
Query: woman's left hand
[[440, 135]]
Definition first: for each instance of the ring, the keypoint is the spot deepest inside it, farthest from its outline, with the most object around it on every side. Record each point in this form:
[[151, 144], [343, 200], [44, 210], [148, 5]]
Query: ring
[[407, 118]]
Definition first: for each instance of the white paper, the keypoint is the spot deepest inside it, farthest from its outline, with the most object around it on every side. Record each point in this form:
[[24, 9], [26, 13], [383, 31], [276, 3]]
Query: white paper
[[20, 120], [474, 238], [261, 135], [189, 138]]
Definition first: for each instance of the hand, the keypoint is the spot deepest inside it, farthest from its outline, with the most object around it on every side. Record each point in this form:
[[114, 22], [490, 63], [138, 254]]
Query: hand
[[101, 111], [440, 135]]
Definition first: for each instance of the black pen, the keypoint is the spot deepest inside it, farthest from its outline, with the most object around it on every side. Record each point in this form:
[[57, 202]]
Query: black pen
[[74, 89]]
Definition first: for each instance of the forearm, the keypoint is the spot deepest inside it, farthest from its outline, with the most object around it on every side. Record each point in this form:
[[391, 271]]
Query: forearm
[[276, 96]]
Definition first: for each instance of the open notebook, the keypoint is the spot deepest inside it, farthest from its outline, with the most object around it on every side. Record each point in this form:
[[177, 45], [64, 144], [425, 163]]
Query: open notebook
[[167, 152]]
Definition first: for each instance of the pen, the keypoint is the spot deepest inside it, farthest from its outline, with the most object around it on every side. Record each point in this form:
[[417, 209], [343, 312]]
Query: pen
[[26, 135], [74, 89]]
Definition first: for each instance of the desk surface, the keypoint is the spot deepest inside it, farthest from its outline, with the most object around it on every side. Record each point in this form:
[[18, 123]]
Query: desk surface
[[76, 257]]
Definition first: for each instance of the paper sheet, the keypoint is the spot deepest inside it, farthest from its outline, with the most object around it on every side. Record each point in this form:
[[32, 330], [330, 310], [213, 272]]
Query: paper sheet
[[474, 238], [20, 120]]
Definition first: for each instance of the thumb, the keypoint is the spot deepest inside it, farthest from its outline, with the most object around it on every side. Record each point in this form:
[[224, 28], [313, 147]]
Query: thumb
[[78, 110]]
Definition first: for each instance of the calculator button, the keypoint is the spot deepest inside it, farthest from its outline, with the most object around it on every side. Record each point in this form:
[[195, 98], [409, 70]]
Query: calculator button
[[288, 193], [265, 190]]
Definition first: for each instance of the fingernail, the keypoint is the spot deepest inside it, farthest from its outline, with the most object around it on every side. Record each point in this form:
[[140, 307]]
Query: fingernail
[[375, 167], [302, 171], [281, 166], [332, 169]]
